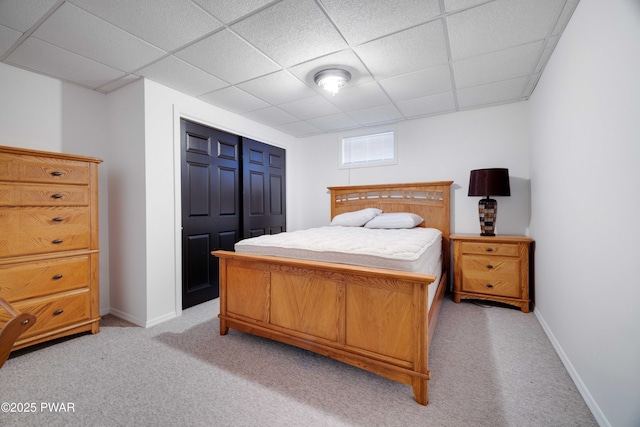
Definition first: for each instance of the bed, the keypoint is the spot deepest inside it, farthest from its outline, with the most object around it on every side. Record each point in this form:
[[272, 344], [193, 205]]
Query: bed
[[378, 319]]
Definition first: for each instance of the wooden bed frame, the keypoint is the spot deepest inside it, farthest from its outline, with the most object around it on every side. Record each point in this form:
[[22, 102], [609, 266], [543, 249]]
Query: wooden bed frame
[[375, 319]]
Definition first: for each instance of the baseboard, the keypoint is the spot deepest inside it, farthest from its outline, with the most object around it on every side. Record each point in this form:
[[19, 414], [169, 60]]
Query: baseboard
[[161, 319], [582, 388], [125, 316]]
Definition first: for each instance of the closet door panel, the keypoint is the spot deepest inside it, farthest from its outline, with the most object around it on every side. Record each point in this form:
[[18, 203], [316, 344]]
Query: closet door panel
[[210, 206]]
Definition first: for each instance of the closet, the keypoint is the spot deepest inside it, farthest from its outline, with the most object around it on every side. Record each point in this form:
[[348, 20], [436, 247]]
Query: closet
[[232, 188]]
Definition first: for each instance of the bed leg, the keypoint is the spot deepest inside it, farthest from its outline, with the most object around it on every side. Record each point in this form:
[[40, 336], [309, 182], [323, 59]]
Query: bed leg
[[224, 328], [420, 391]]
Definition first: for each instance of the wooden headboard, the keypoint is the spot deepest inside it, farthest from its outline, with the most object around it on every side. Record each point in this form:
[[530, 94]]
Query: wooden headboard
[[430, 200]]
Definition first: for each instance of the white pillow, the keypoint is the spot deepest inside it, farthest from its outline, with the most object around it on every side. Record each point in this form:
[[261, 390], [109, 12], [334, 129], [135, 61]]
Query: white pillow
[[395, 220], [356, 218]]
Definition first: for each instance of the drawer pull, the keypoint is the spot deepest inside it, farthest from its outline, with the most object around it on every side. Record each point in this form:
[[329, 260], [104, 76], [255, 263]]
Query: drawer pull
[[25, 322], [58, 219], [489, 266], [489, 249], [58, 312], [58, 196], [56, 173], [489, 285], [57, 277], [57, 241]]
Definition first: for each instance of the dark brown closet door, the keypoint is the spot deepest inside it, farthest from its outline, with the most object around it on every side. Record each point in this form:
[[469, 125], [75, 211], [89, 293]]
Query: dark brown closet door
[[264, 188], [210, 207]]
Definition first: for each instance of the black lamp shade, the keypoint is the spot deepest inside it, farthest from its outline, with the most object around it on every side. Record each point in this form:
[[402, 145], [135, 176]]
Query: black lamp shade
[[489, 182]]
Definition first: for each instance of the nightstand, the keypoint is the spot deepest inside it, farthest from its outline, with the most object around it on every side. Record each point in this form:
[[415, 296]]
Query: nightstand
[[494, 268]]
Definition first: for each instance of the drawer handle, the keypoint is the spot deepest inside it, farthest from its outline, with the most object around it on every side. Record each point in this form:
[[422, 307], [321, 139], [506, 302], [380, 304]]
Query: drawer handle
[[58, 196], [57, 277], [489, 285], [25, 322], [58, 312], [56, 173], [57, 241], [58, 219], [489, 266], [489, 249]]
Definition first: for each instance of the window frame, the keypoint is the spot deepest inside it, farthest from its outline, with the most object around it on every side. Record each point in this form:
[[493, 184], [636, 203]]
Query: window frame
[[363, 133]]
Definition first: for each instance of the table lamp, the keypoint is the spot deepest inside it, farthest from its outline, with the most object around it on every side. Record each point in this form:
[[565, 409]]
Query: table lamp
[[487, 183]]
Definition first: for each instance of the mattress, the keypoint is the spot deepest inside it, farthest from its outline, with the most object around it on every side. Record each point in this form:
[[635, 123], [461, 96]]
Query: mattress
[[415, 250]]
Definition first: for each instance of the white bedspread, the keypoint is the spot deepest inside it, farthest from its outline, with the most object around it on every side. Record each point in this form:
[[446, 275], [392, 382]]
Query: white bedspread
[[415, 250]]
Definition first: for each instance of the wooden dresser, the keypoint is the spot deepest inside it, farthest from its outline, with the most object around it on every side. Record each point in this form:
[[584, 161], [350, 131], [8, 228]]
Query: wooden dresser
[[49, 242], [492, 268]]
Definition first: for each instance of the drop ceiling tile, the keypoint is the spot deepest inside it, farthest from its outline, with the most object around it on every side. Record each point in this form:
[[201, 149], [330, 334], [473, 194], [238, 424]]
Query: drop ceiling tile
[[419, 84], [453, 5], [427, 105], [179, 75], [117, 84], [334, 122], [411, 50], [228, 11], [310, 108], [43, 57], [271, 116], [20, 15], [7, 38], [299, 129], [277, 88], [227, 56], [380, 114], [167, 24], [73, 29], [234, 100], [352, 98], [360, 24], [494, 93], [500, 24], [505, 64], [345, 59], [291, 32]]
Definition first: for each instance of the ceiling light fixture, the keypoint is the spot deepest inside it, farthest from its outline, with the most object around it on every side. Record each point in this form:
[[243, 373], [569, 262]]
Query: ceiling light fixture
[[332, 79]]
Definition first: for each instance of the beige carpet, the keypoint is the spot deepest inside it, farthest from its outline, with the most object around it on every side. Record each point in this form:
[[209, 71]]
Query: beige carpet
[[491, 366]]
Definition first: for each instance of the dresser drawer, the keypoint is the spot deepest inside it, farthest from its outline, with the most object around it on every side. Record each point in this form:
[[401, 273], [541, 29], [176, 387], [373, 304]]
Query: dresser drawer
[[483, 248], [53, 312], [27, 231], [35, 279], [16, 167], [491, 275], [43, 195]]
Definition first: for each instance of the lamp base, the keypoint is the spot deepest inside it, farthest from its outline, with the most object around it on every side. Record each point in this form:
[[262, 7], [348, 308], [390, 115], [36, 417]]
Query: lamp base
[[488, 211]]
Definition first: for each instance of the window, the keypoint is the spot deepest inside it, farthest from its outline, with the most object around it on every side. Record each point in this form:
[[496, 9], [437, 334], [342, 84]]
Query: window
[[374, 149]]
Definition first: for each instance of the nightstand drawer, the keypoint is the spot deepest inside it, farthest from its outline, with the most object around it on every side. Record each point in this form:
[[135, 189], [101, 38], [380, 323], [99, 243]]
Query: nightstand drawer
[[486, 248], [492, 276]]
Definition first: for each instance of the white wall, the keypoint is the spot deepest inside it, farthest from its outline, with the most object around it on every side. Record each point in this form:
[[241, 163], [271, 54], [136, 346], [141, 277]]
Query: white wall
[[438, 148], [127, 208], [585, 174], [42, 113]]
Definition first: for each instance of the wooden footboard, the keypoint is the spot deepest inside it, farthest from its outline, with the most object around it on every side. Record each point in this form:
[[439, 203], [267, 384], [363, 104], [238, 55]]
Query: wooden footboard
[[374, 319]]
